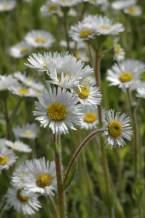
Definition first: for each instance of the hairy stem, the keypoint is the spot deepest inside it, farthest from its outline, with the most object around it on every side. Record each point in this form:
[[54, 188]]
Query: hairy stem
[[58, 164], [104, 161], [78, 151], [136, 143]]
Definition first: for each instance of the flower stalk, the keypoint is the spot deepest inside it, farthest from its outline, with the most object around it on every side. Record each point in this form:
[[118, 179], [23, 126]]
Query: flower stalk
[[136, 143], [104, 161], [78, 151], [59, 175]]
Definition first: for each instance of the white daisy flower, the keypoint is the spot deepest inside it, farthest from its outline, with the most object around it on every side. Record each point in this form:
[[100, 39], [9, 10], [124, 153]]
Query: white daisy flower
[[63, 44], [134, 10], [72, 12], [19, 146], [20, 50], [87, 92], [29, 81], [119, 53], [7, 5], [23, 91], [6, 82], [126, 74], [117, 128], [49, 8], [67, 3], [7, 156], [84, 30], [27, 0], [58, 110], [102, 3], [22, 201], [89, 118], [122, 4], [37, 176], [66, 71], [104, 26], [141, 92], [28, 131], [39, 61], [39, 38]]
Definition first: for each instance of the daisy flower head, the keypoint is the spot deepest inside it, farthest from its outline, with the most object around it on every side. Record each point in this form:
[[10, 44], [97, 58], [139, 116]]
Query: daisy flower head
[[67, 3], [19, 146], [7, 5], [39, 39], [141, 92], [134, 10], [22, 201], [7, 156], [89, 118], [58, 110], [49, 8], [6, 82], [87, 92], [84, 30], [28, 131], [23, 91], [29, 81], [66, 71], [126, 74], [122, 4], [39, 61], [119, 53], [105, 26], [20, 50], [36, 176], [102, 3], [117, 128]]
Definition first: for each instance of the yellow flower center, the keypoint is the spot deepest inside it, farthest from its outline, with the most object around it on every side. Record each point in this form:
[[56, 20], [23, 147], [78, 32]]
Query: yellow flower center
[[90, 117], [27, 133], [117, 49], [4, 160], [21, 197], [23, 91], [85, 33], [115, 128], [83, 92], [132, 10], [126, 77], [24, 51], [44, 180], [40, 40], [57, 111], [104, 27], [52, 7]]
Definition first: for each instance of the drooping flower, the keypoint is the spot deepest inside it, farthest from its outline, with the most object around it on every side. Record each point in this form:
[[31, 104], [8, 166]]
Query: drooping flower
[[22, 201]]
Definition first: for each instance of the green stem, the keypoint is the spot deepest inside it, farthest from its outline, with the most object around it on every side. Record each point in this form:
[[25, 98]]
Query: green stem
[[58, 164], [65, 22], [6, 116], [136, 143], [98, 83], [104, 161], [78, 151]]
